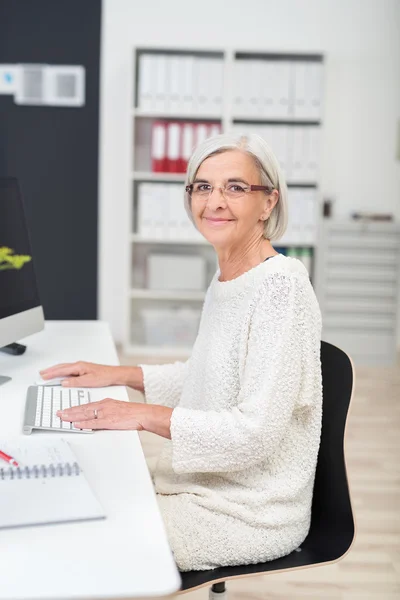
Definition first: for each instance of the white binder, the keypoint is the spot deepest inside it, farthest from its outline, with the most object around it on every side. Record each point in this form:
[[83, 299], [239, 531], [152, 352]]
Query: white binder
[[252, 83], [216, 70], [146, 85], [300, 108], [160, 68], [202, 95], [316, 87], [275, 77], [187, 85], [308, 90], [312, 153], [175, 85], [239, 88], [298, 173], [145, 211], [173, 197], [310, 216], [159, 209]]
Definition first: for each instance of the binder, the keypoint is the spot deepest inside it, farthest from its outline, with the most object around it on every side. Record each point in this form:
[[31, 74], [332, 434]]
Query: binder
[[160, 210], [313, 152], [310, 217], [187, 85], [215, 129], [300, 109], [277, 137], [315, 90], [174, 88], [188, 142], [158, 147], [145, 83], [160, 78], [298, 172], [145, 221], [201, 133], [275, 89], [173, 147], [216, 79], [203, 104], [253, 85], [172, 218], [308, 90], [49, 486], [240, 89]]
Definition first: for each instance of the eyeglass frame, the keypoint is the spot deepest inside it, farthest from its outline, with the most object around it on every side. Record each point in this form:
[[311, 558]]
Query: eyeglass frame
[[253, 188]]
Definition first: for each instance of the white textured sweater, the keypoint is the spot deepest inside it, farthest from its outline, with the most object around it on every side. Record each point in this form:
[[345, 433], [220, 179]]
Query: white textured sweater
[[235, 482]]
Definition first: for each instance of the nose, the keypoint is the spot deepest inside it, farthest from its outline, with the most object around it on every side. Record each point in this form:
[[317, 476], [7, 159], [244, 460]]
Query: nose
[[216, 199]]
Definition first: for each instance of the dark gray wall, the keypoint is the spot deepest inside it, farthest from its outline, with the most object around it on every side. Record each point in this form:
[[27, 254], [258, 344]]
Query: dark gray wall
[[54, 150]]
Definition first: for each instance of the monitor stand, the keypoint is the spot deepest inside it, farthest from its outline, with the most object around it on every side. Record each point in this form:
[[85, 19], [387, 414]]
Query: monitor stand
[[14, 349]]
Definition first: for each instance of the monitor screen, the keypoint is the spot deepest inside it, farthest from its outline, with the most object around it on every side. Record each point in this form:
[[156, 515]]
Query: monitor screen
[[18, 288]]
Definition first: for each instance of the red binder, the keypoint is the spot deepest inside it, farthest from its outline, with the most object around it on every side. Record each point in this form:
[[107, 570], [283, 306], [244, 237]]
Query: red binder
[[187, 145], [173, 147], [158, 147]]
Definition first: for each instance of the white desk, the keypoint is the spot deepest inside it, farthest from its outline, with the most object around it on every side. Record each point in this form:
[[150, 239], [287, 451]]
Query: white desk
[[126, 555]]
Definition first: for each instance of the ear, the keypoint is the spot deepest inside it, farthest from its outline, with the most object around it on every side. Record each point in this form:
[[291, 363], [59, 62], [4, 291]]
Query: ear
[[270, 202]]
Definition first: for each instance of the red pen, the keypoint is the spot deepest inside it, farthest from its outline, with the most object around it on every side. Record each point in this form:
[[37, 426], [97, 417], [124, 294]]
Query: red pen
[[9, 459]]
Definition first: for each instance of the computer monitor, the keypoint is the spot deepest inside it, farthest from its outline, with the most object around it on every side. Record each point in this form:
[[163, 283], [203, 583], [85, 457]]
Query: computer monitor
[[20, 311]]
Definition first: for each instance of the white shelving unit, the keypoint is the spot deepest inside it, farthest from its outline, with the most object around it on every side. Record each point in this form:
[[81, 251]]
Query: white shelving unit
[[357, 286], [270, 105]]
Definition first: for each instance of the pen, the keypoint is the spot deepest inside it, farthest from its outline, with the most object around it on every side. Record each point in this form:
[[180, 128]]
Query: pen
[[8, 459]]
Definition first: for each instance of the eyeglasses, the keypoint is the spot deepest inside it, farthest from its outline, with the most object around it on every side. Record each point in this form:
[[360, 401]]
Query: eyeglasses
[[232, 191]]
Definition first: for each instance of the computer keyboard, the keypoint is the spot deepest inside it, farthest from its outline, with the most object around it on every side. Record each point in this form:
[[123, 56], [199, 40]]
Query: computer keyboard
[[42, 403]]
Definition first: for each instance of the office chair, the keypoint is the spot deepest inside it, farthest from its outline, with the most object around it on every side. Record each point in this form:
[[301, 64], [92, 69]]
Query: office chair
[[332, 528]]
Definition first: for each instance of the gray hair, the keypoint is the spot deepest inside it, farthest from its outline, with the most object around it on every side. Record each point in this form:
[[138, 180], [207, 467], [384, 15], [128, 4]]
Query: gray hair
[[266, 162]]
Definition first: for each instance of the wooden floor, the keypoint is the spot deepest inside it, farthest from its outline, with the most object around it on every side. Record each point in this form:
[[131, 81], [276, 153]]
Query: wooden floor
[[372, 568]]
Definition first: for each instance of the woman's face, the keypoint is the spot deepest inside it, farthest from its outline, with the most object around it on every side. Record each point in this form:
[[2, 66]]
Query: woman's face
[[241, 219]]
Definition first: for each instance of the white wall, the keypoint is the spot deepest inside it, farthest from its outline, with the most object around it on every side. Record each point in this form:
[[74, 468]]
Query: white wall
[[361, 42]]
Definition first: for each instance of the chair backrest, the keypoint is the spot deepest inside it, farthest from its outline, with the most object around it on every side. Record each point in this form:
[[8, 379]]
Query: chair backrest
[[332, 517]]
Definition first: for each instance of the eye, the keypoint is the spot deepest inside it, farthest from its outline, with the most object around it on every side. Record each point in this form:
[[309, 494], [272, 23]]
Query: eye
[[236, 188], [202, 187]]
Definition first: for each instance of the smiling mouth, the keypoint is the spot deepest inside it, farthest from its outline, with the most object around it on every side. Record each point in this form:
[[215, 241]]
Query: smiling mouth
[[217, 220]]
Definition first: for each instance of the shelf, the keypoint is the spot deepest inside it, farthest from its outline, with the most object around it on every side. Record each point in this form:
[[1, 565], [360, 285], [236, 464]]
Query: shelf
[[180, 177], [175, 117], [139, 240], [159, 351], [148, 176], [141, 293], [276, 121]]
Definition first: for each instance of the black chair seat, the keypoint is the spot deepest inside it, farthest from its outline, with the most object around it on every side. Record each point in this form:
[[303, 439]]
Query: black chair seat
[[332, 525]]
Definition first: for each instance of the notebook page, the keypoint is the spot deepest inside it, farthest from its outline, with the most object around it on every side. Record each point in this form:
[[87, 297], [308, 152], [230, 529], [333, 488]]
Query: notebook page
[[31, 452], [44, 499]]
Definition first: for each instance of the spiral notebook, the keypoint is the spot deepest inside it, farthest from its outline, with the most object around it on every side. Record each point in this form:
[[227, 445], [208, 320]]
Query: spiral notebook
[[48, 487]]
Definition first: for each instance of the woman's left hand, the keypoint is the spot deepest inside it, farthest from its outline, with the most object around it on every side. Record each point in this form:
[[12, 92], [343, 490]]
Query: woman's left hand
[[106, 414]]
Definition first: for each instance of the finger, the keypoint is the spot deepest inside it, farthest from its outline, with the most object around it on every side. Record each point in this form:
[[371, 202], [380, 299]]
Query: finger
[[61, 370], [93, 424], [79, 381], [85, 412]]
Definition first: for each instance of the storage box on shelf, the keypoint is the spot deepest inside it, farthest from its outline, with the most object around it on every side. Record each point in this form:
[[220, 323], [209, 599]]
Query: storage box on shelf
[[358, 288], [181, 97]]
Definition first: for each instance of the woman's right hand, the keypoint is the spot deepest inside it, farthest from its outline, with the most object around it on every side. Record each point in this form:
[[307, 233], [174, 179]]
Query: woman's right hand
[[83, 374]]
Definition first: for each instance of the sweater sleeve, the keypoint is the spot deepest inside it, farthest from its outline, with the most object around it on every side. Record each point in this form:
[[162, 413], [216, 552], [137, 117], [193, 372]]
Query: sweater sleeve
[[163, 383], [235, 439]]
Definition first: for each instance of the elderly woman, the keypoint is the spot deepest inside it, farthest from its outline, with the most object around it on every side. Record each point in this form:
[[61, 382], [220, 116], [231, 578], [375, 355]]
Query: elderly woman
[[242, 416]]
